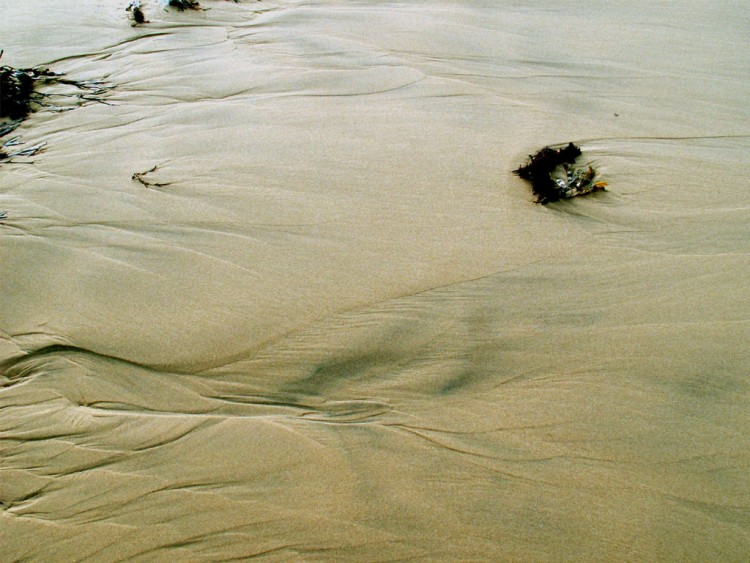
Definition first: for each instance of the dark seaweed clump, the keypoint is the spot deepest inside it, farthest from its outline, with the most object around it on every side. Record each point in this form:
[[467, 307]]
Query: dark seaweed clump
[[553, 176], [138, 16], [185, 4], [540, 167], [19, 97], [17, 89]]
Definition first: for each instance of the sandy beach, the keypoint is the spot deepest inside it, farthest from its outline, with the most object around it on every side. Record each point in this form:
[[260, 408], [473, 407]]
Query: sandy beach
[[332, 325]]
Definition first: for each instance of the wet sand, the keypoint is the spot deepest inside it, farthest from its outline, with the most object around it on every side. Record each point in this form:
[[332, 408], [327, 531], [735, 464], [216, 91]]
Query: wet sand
[[336, 327]]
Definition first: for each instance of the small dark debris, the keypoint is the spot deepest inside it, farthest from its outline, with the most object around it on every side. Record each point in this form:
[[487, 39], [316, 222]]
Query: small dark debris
[[553, 178], [29, 151], [185, 4], [9, 127], [140, 177], [138, 16]]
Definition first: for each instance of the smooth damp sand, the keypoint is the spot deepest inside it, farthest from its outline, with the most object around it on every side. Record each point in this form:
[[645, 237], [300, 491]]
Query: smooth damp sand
[[335, 327]]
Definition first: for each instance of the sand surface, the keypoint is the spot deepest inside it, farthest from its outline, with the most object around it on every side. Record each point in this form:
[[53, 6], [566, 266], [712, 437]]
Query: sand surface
[[336, 327]]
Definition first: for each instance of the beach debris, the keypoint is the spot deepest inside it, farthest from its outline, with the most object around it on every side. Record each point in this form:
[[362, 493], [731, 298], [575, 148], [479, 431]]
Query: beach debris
[[135, 10], [9, 127], [19, 97], [140, 177], [28, 151], [182, 4], [553, 176], [17, 89], [5, 155]]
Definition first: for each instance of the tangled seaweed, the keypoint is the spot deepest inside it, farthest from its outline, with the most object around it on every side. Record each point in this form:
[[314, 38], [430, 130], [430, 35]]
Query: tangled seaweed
[[141, 177], [17, 89], [6, 128], [553, 178], [28, 151], [19, 97], [138, 17], [9, 127], [184, 4], [135, 10]]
